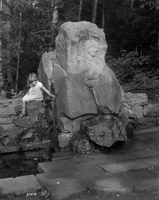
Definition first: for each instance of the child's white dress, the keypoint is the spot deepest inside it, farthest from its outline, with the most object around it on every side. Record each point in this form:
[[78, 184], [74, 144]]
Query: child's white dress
[[34, 93]]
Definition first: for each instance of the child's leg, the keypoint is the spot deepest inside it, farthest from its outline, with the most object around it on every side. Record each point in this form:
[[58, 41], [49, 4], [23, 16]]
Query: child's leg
[[23, 107]]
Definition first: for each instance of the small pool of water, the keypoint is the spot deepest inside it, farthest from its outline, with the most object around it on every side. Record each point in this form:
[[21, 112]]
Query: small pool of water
[[23, 163]]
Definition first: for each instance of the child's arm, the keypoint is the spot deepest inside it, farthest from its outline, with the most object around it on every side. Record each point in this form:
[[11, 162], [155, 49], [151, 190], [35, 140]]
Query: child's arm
[[47, 92]]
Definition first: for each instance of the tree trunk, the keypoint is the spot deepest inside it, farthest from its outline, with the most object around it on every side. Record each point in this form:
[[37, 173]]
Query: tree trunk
[[80, 10], [55, 14], [94, 13], [1, 78], [6, 7], [132, 4], [103, 15], [158, 41], [18, 57], [9, 73]]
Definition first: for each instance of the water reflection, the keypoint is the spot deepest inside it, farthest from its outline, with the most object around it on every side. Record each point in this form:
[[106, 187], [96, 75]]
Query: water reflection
[[23, 163]]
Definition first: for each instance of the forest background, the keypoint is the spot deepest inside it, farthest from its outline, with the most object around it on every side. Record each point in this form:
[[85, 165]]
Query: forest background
[[28, 28]]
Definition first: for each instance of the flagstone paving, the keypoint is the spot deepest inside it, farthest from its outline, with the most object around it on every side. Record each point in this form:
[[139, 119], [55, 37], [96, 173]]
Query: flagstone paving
[[131, 165], [19, 185], [134, 167]]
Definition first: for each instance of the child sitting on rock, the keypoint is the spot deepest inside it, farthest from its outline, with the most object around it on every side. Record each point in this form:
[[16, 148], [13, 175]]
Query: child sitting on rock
[[35, 93]]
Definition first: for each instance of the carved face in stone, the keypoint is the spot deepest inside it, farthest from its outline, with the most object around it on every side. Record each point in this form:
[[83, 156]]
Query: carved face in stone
[[88, 58], [91, 47]]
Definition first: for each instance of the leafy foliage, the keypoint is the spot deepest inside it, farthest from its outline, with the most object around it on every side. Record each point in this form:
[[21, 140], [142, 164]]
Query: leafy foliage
[[130, 67]]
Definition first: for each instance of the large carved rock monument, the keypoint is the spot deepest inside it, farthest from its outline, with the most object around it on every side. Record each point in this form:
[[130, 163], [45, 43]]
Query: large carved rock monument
[[88, 96]]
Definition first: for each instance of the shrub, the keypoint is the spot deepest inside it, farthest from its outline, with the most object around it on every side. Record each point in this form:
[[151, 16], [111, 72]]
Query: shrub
[[130, 67]]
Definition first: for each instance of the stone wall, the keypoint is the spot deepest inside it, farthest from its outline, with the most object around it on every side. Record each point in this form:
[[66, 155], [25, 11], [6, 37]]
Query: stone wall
[[144, 112]]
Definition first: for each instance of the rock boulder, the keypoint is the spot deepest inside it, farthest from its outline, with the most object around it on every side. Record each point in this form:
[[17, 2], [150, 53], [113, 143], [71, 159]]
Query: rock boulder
[[85, 87]]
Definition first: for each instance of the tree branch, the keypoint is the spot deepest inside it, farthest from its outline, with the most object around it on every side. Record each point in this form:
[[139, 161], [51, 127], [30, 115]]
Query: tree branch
[[7, 4], [6, 14]]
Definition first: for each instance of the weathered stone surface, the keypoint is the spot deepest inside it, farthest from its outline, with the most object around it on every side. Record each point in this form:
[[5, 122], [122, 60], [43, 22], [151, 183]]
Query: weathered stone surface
[[81, 47], [57, 166], [107, 132], [7, 106], [137, 112], [111, 184], [131, 165], [9, 148], [134, 99], [9, 137], [7, 113], [138, 179], [64, 140], [25, 146], [93, 160], [47, 64], [147, 122], [84, 85], [59, 73], [143, 180], [2, 131], [139, 108], [92, 171], [34, 108], [35, 145], [107, 91], [29, 132], [74, 98], [144, 153], [19, 185], [71, 126], [45, 70], [151, 110], [80, 143], [64, 187], [58, 174], [66, 124]]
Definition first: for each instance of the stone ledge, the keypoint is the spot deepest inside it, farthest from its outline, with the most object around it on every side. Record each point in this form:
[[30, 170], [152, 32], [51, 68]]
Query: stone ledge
[[59, 165], [66, 186], [63, 187], [25, 146], [131, 165], [19, 185]]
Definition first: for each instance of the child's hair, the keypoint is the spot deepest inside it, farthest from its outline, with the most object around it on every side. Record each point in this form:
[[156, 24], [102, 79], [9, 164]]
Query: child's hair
[[32, 77]]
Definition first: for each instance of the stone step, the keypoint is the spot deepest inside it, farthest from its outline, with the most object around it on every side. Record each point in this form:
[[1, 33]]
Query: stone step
[[66, 185], [125, 166], [58, 165], [63, 187], [19, 185]]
